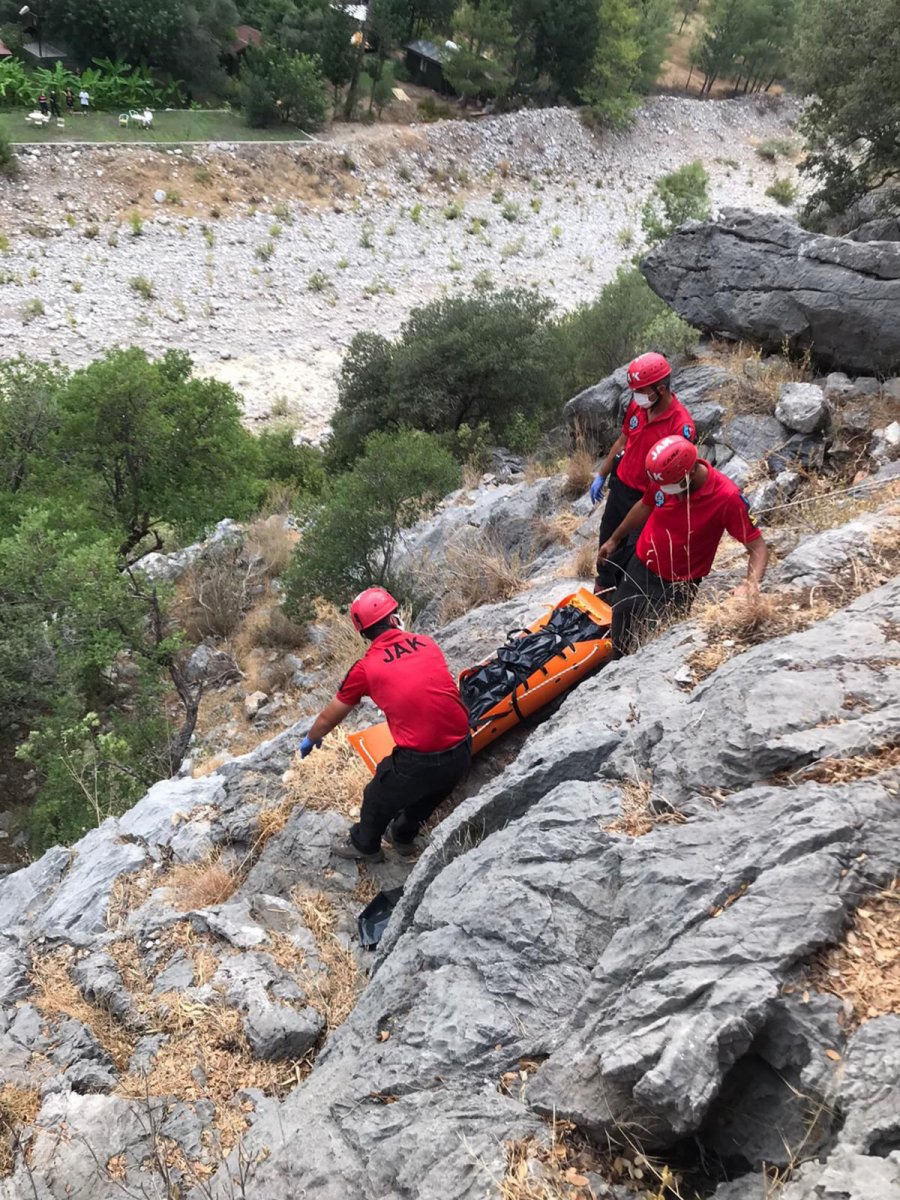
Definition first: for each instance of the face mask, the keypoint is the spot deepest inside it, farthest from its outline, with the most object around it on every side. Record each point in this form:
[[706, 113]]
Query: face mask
[[675, 489], [398, 622], [643, 401]]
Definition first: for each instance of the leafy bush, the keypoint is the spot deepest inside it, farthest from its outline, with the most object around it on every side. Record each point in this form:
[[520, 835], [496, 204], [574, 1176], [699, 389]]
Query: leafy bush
[[351, 537], [783, 192], [144, 446], [680, 196], [281, 86], [626, 319], [847, 64], [463, 360], [281, 461]]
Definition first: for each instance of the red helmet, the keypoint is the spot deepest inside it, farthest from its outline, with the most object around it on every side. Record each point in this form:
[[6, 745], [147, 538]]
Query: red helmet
[[372, 606], [671, 459], [648, 369]]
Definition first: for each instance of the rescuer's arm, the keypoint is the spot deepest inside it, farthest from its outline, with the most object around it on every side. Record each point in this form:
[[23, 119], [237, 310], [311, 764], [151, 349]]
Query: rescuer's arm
[[757, 561], [636, 519]]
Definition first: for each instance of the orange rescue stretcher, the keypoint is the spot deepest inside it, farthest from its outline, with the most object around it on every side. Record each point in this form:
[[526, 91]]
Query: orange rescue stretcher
[[534, 666]]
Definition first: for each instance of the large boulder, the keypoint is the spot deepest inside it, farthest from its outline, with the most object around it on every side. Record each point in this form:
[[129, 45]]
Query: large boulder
[[761, 277]]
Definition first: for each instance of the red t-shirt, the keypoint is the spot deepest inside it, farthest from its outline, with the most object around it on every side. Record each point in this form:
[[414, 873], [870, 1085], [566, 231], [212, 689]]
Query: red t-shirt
[[643, 434], [681, 536], [408, 678]]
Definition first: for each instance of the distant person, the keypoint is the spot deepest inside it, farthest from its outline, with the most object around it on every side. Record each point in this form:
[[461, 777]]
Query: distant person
[[85, 101], [70, 101], [686, 507], [54, 104], [654, 412], [43, 106], [407, 676]]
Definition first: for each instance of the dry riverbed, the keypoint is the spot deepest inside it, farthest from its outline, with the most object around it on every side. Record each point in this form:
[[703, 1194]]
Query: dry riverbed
[[263, 262]]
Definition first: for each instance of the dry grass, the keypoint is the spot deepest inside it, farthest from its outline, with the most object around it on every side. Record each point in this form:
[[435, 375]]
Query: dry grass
[[557, 530], [341, 645], [207, 1058], [558, 1169], [638, 813], [18, 1107], [332, 993], [756, 386], [864, 970], [478, 572], [579, 471], [200, 884], [56, 995], [217, 593], [128, 892], [733, 624], [471, 476], [583, 563], [824, 503], [844, 770], [273, 542], [329, 780]]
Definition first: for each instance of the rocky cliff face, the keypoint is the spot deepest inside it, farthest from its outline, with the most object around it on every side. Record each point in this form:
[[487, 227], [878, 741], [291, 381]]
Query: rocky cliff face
[[767, 280], [615, 931]]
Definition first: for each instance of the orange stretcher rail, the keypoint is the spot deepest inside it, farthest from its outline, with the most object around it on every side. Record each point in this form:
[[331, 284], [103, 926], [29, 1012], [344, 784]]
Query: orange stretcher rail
[[556, 676]]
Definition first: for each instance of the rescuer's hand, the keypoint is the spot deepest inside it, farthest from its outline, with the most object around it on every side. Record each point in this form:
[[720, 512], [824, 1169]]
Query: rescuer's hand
[[307, 747], [597, 489]]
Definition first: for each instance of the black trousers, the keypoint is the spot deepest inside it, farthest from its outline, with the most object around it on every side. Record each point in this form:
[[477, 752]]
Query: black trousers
[[408, 785], [642, 601], [620, 499]]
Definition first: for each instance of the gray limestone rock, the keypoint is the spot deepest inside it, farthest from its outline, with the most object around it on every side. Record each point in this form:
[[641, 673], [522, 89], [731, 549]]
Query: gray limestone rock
[[100, 982], [763, 278], [868, 1089], [802, 407], [211, 667], [823, 556], [177, 975], [755, 437], [277, 1021]]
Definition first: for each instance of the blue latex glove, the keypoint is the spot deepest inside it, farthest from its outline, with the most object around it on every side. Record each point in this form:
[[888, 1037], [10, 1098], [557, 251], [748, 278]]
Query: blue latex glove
[[597, 489], [307, 747]]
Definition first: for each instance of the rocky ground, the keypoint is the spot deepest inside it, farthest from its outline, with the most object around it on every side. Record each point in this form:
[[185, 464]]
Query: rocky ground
[[264, 262], [652, 951]]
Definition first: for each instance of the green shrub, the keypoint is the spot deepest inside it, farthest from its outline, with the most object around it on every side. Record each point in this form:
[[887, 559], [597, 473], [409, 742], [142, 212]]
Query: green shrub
[[351, 538], [264, 251], [281, 461], [773, 148], [142, 286], [430, 109], [318, 282], [280, 86], [681, 196], [783, 192], [137, 224], [466, 359], [626, 319], [32, 309]]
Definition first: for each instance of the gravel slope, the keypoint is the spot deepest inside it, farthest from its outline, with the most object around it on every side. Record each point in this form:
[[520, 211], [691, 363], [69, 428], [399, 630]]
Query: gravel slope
[[356, 252]]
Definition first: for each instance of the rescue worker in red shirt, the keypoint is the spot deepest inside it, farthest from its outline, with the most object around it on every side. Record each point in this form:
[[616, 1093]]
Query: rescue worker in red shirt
[[681, 516], [407, 676], [654, 412]]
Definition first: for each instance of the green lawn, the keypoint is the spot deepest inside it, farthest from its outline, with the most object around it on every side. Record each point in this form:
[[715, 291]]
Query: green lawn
[[180, 126]]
